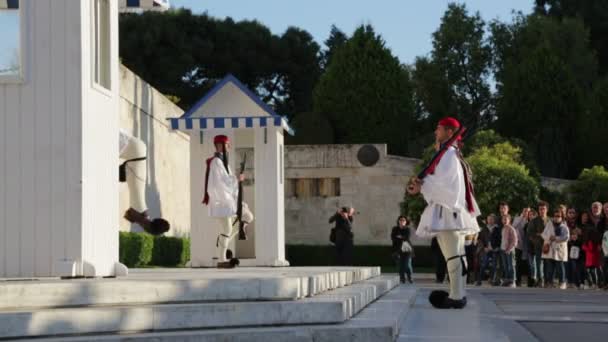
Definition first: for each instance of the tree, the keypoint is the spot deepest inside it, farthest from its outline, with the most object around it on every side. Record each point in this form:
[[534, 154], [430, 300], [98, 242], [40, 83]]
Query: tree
[[591, 186], [310, 129], [499, 175], [336, 39], [185, 55], [544, 71], [454, 80], [593, 129], [594, 14], [366, 94]]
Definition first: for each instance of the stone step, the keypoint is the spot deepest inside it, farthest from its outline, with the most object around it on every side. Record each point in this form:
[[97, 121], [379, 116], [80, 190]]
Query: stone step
[[148, 286], [307, 333], [335, 306]]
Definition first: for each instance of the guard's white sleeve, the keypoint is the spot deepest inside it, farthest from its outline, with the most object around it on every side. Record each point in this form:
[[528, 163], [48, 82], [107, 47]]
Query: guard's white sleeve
[[222, 188], [444, 186]]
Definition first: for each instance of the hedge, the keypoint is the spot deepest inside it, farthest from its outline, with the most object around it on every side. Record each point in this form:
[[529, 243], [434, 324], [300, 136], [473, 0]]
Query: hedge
[[143, 249], [135, 249], [363, 255], [170, 251]]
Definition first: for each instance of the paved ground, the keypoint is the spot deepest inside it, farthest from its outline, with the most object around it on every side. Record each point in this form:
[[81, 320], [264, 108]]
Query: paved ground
[[505, 314]]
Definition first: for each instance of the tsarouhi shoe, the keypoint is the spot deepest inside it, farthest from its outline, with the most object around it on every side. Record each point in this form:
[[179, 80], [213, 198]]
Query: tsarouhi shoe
[[439, 299], [155, 227], [232, 263]]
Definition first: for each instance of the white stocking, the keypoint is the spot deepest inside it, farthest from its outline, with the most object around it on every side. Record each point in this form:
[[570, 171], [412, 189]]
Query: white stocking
[[226, 235], [136, 172], [452, 245]]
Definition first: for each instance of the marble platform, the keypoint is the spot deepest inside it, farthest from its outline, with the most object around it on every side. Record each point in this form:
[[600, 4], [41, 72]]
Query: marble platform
[[181, 285], [199, 304]]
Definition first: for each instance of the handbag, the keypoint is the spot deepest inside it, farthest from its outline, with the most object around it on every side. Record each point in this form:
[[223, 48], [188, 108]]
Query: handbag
[[406, 247], [546, 248], [332, 235], [574, 252]]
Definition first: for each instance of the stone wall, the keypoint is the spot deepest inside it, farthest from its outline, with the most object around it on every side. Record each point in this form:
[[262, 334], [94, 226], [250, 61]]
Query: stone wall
[[143, 113], [374, 191]]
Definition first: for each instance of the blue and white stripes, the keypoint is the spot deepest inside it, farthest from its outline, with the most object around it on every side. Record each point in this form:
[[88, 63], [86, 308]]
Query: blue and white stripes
[[189, 123], [9, 4], [143, 5]]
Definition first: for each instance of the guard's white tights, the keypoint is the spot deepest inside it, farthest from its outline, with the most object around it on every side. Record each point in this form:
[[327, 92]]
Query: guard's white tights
[[452, 244], [136, 173]]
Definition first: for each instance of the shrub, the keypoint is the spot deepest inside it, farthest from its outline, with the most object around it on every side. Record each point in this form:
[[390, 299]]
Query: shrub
[[170, 251], [591, 186], [363, 255], [498, 175], [135, 249]]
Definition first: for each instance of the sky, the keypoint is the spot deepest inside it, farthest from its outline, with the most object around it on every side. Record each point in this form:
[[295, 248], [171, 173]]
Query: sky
[[9, 37], [405, 25]]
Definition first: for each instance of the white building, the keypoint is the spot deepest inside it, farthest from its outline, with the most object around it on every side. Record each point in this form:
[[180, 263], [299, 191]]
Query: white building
[[59, 146]]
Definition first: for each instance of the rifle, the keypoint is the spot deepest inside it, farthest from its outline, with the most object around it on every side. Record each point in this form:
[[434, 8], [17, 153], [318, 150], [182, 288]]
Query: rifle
[[239, 207]]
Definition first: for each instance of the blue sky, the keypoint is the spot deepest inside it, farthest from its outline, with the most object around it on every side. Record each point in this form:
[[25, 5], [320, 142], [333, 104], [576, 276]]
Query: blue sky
[[9, 36], [405, 25]]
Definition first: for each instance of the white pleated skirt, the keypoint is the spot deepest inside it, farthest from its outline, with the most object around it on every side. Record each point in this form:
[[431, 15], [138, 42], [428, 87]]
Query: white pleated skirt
[[437, 218]]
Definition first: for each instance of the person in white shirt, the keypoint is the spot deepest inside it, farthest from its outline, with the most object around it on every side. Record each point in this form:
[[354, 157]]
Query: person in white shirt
[[450, 214]]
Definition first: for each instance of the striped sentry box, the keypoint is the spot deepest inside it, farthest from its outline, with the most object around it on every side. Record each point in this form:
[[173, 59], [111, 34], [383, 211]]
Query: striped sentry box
[[9, 4], [188, 123], [143, 5]]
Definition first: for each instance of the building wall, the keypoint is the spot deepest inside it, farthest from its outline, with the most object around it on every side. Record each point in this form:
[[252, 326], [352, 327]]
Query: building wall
[[143, 113], [40, 155], [99, 141], [375, 192], [58, 140]]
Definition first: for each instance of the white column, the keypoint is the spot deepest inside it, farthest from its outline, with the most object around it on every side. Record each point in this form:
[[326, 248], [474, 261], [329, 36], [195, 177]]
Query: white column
[[269, 197]]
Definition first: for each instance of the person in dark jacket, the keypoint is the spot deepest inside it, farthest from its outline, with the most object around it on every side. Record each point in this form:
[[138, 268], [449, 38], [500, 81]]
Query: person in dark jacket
[[403, 250], [344, 236]]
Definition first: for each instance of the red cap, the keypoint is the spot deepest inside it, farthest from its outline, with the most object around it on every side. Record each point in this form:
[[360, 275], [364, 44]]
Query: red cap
[[449, 121], [221, 139]]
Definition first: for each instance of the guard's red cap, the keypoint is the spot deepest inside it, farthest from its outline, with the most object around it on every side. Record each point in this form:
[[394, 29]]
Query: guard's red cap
[[449, 121], [221, 139]]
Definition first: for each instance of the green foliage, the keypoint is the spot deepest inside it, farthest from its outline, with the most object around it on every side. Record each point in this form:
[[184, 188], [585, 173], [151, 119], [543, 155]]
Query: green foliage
[[593, 12], [593, 128], [135, 249], [185, 54], [454, 79], [544, 70], [363, 255], [591, 186], [336, 40], [170, 251], [554, 198], [310, 128], [143, 249], [365, 87], [498, 175]]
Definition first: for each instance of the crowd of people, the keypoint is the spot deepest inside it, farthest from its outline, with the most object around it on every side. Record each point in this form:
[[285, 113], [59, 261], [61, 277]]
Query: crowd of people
[[563, 247]]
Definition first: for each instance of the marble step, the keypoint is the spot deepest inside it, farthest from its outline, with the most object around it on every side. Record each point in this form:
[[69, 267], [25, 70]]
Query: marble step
[[147, 286], [334, 306]]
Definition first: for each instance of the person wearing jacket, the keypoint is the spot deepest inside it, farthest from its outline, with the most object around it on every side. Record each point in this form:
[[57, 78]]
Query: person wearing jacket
[[507, 251], [403, 250], [556, 236], [343, 219]]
